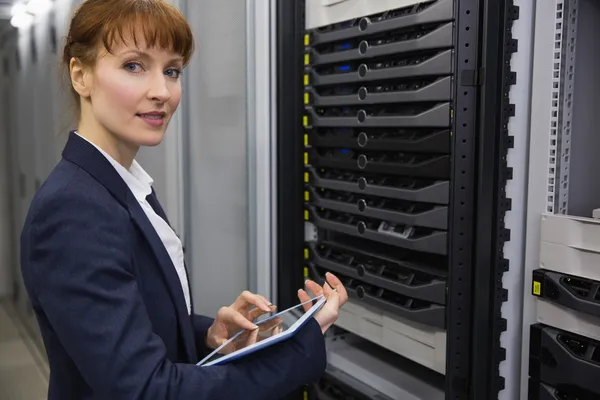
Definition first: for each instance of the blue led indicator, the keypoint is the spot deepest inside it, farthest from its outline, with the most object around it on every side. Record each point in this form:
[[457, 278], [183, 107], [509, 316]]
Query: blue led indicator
[[344, 151], [345, 46], [344, 68]]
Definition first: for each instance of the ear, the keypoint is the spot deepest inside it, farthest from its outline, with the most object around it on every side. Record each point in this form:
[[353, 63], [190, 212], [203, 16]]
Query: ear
[[80, 77]]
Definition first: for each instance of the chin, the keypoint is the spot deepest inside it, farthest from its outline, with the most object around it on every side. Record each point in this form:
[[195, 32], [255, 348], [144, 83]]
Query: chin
[[150, 139]]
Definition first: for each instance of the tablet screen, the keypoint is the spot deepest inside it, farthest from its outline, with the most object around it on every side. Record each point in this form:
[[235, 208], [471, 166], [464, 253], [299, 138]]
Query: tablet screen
[[269, 325]]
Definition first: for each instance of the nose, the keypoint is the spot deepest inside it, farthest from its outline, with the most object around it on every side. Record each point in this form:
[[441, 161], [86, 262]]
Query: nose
[[159, 89]]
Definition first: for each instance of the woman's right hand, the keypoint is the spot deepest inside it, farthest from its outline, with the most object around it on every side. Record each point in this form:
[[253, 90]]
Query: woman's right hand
[[336, 296]]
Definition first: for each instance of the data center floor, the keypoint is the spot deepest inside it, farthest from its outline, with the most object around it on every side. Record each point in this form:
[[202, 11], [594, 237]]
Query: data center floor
[[23, 369]]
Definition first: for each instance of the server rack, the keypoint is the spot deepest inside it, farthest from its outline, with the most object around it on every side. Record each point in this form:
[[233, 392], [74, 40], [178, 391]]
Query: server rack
[[391, 167], [561, 332]]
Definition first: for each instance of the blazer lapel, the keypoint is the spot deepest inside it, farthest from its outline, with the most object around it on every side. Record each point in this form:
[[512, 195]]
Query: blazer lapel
[[169, 274], [87, 157], [155, 204]]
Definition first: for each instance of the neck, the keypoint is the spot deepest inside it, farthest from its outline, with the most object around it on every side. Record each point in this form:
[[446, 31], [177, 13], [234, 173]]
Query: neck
[[123, 152]]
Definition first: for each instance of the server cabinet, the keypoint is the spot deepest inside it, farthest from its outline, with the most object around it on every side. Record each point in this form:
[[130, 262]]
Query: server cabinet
[[561, 329], [392, 141]]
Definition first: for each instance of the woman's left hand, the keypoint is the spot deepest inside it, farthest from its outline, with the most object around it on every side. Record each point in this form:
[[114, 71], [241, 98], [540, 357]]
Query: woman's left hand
[[230, 320]]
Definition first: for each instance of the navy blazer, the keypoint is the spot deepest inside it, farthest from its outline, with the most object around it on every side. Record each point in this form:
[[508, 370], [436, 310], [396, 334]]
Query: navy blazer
[[110, 306]]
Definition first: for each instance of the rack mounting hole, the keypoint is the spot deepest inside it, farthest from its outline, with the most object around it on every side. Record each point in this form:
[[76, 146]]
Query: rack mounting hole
[[363, 24], [362, 205], [363, 47], [362, 183], [362, 116], [361, 270], [362, 139], [362, 93], [362, 70], [360, 291], [362, 161], [362, 228]]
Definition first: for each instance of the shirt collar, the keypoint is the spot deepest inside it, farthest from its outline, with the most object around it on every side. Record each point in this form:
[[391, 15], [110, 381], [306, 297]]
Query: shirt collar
[[136, 178]]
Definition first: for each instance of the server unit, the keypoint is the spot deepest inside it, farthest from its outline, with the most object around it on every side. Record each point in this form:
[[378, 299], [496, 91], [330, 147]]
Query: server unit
[[561, 345], [392, 145]]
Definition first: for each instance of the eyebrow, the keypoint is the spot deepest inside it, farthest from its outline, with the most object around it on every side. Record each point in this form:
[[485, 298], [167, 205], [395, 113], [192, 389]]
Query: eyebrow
[[146, 55]]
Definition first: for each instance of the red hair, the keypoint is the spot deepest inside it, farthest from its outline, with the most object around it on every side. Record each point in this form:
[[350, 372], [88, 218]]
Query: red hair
[[98, 23]]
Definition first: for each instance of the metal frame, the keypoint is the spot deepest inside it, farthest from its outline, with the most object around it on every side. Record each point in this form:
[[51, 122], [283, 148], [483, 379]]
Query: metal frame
[[186, 190], [581, 175], [557, 100], [459, 302], [480, 174], [516, 190], [494, 140], [260, 111], [289, 34], [565, 25], [541, 98]]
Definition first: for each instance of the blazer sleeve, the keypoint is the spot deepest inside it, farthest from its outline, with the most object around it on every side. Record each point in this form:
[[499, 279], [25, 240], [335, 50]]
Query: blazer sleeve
[[80, 265], [201, 324]]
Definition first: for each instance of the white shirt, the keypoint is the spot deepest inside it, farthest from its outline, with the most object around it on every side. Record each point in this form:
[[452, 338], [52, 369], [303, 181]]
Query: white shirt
[[140, 184]]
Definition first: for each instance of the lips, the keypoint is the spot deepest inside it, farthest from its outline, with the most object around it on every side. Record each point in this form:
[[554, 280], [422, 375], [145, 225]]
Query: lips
[[153, 119], [152, 115]]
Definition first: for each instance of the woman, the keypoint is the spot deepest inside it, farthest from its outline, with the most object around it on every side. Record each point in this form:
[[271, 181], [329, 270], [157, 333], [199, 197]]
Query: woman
[[104, 270]]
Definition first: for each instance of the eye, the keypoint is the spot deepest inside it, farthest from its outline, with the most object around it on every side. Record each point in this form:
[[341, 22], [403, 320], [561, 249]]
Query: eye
[[173, 73], [131, 67]]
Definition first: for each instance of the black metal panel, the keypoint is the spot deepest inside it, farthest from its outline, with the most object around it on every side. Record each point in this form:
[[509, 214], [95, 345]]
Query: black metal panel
[[407, 213], [541, 391], [434, 37], [436, 141], [403, 236], [422, 312], [410, 116], [476, 165], [290, 229], [497, 47], [435, 63], [434, 192], [432, 90], [426, 12], [574, 292], [460, 247], [403, 164], [565, 360], [404, 277]]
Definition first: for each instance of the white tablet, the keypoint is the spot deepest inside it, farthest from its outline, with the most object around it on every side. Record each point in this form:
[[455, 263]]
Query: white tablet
[[271, 329]]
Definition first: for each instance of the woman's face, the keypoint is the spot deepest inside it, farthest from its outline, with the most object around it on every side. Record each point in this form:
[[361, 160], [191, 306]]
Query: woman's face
[[135, 91]]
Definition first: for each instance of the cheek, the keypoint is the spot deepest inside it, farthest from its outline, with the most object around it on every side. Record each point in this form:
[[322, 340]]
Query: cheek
[[123, 95], [175, 91]]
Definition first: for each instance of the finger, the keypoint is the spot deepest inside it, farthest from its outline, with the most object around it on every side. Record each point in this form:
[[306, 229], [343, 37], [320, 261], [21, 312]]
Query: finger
[[270, 325], [231, 316], [314, 287], [249, 298], [333, 299], [227, 349], [267, 302], [303, 296], [337, 284], [254, 314], [252, 338], [257, 312]]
